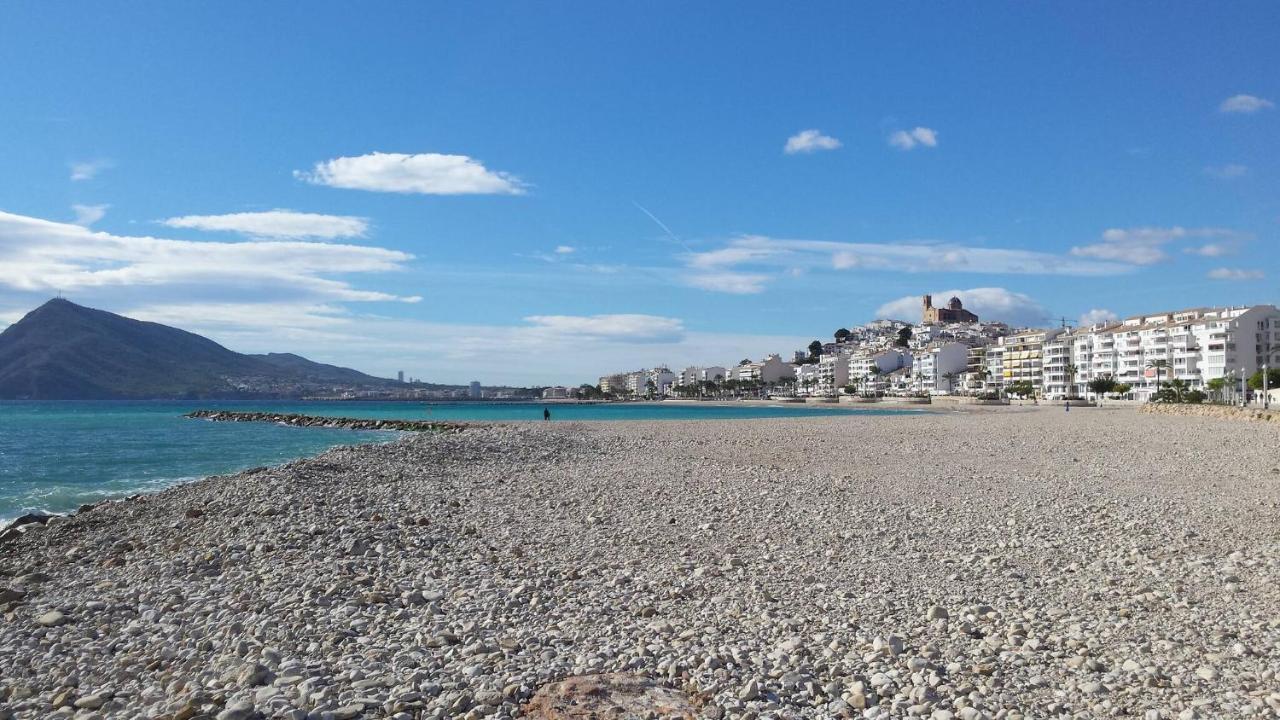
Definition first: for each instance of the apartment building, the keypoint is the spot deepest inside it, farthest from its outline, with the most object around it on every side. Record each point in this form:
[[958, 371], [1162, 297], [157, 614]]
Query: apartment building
[[769, 370], [694, 375], [936, 369], [872, 367], [1023, 357], [1194, 345]]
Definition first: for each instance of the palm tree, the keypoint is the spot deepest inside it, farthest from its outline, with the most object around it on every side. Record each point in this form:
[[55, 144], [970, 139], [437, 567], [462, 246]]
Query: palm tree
[[951, 381], [876, 372], [1157, 365], [1070, 369]]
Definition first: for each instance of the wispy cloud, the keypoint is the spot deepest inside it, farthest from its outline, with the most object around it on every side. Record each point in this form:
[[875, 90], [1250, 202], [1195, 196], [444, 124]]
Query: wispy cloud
[[1097, 316], [1237, 274], [740, 265], [554, 349], [87, 215], [1245, 104], [88, 169], [610, 328], [809, 141], [914, 138], [565, 250], [1230, 171], [423, 173], [992, 304], [1145, 245], [1214, 249], [41, 256], [284, 224], [733, 283]]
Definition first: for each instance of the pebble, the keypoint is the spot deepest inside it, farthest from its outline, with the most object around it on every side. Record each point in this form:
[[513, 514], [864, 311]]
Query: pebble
[[797, 568]]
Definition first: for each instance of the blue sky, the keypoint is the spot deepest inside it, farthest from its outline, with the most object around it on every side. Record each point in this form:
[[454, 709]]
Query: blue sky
[[533, 194]]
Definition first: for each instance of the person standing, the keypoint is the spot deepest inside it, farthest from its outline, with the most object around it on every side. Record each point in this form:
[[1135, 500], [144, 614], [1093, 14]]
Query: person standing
[[546, 414]]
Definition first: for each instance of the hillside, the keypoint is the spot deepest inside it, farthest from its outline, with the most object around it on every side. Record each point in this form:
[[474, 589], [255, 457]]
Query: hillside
[[63, 351]]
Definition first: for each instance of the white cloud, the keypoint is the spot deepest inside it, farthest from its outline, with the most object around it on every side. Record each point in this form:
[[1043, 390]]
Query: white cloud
[[87, 215], [1144, 245], [1235, 274], [1245, 104], [808, 141], [992, 304], [764, 252], [1211, 249], [41, 256], [564, 250], [283, 224], [423, 173], [611, 328], [733, 283], [1230, 171], [553, 349], [1097, 316], [88, 170], [911, 139]]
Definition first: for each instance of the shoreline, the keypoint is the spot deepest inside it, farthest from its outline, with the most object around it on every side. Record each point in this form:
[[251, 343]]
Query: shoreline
[[760, 565]]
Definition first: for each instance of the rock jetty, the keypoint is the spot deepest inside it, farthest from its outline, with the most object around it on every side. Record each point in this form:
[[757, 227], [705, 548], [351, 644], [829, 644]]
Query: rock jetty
[[329, 422], [1223, 412], [1013, 565]]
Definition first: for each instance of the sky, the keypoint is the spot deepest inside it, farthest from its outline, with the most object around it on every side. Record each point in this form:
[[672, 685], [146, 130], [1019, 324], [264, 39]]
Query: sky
[[533, 194]]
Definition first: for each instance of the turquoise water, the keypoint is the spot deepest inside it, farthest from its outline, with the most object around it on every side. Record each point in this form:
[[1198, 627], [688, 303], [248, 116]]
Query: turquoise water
[[56, 456]]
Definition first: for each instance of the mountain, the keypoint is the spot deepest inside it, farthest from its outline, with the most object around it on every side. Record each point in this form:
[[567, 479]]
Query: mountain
[[63, 351]]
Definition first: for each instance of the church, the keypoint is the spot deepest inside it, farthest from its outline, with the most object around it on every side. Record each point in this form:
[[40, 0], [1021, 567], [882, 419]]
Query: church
[[954, 312]]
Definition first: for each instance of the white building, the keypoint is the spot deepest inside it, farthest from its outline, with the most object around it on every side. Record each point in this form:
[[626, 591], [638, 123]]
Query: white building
[[691, 376], [769, 370], [869, 369], [833, 372], [936, 370], [1194, 345]]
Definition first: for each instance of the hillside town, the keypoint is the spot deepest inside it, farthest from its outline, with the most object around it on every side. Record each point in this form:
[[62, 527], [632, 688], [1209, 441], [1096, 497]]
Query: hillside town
[[1193, 354]]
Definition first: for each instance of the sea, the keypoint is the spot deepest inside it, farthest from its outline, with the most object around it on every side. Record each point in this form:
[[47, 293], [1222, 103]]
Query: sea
[[56, 456]]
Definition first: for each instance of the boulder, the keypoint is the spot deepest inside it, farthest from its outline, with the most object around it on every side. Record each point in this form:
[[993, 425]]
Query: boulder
[[617, 696]]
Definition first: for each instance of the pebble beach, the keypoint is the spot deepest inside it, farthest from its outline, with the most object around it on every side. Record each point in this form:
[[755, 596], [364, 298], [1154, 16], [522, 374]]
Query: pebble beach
[[1002, 563]]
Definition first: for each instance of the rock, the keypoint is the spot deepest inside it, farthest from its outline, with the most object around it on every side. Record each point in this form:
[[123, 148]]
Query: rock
[[750, 691], [937, 612], [92, 702], [1207, 673], [35, 518], [239, 710], [8, 595], [53, 618], [253, 675], [616, 696]]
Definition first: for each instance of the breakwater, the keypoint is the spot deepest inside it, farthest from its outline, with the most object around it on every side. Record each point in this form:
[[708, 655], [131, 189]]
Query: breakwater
[[318, 421], [1225, 412]]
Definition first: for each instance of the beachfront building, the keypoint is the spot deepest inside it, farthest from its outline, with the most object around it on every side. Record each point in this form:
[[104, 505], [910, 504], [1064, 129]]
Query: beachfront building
[[1023, 357], [974, 379], [769, 370], [994, 359], [807, 379], [1195, 345], [833, 372], [870, 368], [692, 376], [936, 370], [474, 391], [559, 393], [615, 383]]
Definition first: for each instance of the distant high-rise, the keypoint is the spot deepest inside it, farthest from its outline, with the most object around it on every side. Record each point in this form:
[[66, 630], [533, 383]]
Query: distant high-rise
[[400, 376], [475, 390]]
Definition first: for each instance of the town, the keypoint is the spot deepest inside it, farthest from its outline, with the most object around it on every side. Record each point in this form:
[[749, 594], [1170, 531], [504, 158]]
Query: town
[[1221, 354]]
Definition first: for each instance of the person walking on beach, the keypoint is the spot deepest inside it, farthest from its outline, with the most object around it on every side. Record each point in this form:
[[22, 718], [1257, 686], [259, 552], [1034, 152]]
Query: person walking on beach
[[546, 414], [1068, 404]]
